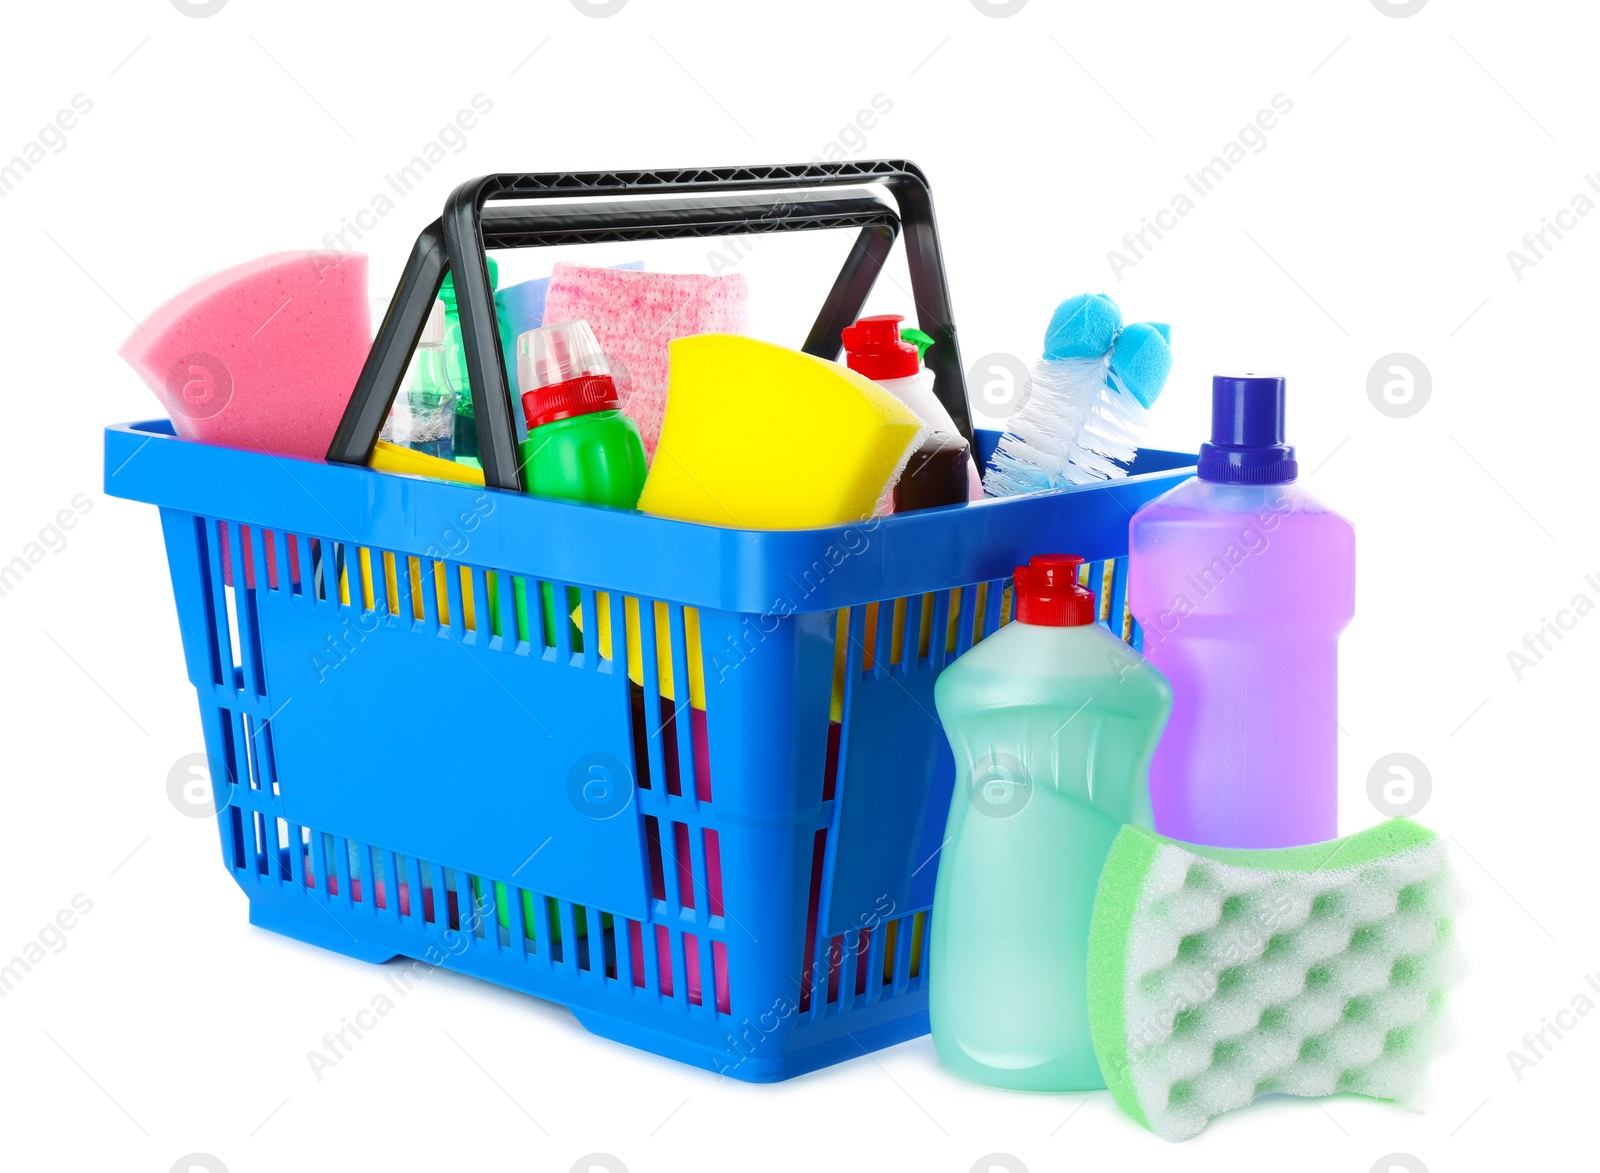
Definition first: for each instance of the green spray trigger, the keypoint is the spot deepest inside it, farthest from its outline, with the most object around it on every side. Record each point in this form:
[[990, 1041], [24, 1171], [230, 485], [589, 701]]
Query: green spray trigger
[[918, 339]]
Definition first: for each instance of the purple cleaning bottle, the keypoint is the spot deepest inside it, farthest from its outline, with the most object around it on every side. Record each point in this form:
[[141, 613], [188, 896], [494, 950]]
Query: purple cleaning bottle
[[1242, 582]]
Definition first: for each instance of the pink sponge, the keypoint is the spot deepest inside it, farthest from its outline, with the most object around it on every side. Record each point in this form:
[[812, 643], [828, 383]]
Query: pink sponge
[[263, 355], [635, 315]]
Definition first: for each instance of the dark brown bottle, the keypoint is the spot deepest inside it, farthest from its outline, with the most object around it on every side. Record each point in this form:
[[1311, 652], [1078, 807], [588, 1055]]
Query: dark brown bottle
[[935, 475]]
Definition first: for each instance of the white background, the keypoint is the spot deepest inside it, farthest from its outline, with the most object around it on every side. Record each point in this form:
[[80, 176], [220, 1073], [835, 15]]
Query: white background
[[1376, 219]]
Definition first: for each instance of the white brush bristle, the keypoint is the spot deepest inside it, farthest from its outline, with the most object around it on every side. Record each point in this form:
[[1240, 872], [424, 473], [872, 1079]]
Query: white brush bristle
[[1243, 982], [1073, 430]]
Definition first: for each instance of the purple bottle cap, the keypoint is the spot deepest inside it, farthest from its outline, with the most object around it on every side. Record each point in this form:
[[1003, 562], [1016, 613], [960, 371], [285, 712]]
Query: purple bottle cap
[[1247, 445]]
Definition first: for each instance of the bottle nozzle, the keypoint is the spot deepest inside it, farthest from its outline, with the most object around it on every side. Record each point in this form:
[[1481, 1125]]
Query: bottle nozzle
[[872, 347], [1048, 593]]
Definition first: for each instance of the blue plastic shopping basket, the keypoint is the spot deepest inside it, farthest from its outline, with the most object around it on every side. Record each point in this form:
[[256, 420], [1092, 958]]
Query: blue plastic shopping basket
[[737, 877]]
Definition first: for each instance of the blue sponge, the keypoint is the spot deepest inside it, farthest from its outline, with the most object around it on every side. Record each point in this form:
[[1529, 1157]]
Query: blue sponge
[[1142, 359], [1082, 327], [524, 302]]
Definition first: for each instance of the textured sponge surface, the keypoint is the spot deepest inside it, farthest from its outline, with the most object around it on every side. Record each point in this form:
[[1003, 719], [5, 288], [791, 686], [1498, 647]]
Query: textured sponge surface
[[263, 355], [1142, 359], [1220, 976], [764, 437], [1082, 327], [635, 316]]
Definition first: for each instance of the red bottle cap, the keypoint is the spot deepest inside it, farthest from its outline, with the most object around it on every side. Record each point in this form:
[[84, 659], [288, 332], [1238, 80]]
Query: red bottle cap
[[562, 373], [580, 396], [872, 347], [1048, 593]]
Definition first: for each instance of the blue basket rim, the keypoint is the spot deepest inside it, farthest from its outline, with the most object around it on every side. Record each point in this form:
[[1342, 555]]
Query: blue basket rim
[[756, 571]]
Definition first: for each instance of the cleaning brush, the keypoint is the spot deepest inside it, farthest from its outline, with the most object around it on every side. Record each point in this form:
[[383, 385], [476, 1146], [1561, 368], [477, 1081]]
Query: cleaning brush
[[1090, 393]]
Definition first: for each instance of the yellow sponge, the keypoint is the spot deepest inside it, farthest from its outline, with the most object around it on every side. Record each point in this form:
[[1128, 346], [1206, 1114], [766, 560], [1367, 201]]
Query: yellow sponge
[[763, 437], [691, 634], [387, 457]]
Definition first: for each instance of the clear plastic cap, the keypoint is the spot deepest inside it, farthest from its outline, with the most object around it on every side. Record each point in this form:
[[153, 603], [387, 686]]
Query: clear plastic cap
[[558, 354]]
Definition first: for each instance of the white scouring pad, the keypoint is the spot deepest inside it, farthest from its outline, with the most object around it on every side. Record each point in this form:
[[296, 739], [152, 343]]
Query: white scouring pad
[[1218, 975]]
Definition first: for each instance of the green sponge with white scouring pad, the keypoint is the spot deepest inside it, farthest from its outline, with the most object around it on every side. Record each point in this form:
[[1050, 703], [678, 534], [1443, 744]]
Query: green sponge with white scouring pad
[[1218, 975]]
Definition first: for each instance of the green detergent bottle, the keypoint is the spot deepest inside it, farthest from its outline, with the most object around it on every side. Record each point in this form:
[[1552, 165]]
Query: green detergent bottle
[[580, 445], [1053, 721], [464, 441]]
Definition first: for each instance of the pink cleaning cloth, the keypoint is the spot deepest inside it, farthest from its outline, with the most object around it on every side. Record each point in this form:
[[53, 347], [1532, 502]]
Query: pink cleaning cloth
[[634, 315], [263, 355]]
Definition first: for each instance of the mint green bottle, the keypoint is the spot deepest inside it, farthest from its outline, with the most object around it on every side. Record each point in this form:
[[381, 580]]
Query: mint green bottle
[[1053, 721]]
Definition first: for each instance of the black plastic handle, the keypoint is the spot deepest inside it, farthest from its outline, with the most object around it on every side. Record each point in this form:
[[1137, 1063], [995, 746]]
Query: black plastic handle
[[463, 231], [398, 335], [403, 322], [458, 241]]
